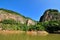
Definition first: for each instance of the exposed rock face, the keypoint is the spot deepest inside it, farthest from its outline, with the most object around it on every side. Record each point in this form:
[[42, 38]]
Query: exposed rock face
[[29, 22], [8, 14], [49, 15]]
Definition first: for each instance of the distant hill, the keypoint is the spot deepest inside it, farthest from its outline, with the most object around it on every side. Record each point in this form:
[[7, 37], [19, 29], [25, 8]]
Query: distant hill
[[10, 20]]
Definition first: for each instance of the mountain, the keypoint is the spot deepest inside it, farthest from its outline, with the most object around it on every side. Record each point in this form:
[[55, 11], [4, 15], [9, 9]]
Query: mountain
[[50, 15], [8, 14], [51, 21]]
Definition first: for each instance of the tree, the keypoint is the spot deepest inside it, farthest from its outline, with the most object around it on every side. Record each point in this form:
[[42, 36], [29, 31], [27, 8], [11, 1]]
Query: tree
[[52, 26]]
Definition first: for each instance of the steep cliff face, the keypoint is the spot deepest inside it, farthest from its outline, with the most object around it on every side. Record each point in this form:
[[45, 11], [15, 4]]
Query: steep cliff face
[[8, 14], [50, 14], [29, 22]]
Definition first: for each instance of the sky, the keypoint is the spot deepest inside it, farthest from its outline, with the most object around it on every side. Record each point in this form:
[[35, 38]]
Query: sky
[[30, 8]]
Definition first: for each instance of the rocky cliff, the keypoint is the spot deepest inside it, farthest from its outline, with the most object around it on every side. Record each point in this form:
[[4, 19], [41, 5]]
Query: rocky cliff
[[50, 14], [8, 14]]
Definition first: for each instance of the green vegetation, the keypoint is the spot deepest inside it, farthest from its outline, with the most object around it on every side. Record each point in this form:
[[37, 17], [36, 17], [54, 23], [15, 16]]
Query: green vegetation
[[49, 26], [10, 24], [29, 37], [8, 21], [37, 27]]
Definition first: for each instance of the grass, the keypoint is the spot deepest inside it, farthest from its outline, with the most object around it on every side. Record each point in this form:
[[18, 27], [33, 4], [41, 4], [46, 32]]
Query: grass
[[29, 37]]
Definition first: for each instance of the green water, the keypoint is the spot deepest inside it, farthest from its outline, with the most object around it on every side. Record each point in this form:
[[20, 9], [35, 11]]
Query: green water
[[29, 37]]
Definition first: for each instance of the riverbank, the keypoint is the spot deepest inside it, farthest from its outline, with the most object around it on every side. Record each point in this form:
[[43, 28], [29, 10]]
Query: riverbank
[[43, 33]]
